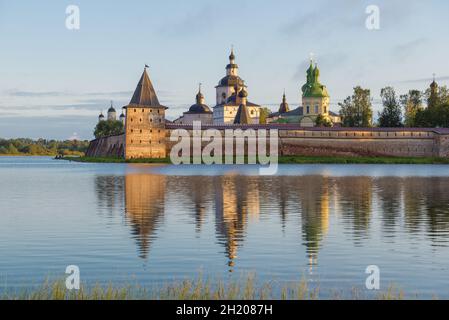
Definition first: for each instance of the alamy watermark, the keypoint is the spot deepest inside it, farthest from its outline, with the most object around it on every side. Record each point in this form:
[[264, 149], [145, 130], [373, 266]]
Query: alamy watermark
[[372, 22], [72, 20], [373, 280], [228, 146], [72, 282]]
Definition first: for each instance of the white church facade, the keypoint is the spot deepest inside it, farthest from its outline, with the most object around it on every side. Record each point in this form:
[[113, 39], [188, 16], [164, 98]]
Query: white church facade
[[227, 98]]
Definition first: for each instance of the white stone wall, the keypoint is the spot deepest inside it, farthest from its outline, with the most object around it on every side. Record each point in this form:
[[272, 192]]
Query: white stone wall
[[188, 118], [226, 114]]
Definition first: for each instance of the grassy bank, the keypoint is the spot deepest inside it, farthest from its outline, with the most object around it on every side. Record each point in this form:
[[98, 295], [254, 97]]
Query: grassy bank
[[199, 289], [287, 160]]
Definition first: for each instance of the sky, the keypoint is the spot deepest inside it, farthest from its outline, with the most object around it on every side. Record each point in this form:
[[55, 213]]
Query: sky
[[54, 81]]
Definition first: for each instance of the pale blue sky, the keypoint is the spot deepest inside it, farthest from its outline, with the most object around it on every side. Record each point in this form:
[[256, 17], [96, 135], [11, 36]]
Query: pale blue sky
[[54, 82]]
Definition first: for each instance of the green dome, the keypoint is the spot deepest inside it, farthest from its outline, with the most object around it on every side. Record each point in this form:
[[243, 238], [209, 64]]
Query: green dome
[[313, 88], [315, 91]]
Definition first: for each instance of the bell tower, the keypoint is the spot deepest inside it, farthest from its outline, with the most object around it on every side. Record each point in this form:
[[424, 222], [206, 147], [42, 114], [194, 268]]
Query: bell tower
[[145, 122]]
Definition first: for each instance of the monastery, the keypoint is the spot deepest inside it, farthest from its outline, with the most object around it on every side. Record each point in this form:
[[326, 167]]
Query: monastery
[[147, 132]]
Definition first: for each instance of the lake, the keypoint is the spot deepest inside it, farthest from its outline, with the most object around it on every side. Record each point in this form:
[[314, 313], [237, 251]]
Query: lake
[[152, 224]]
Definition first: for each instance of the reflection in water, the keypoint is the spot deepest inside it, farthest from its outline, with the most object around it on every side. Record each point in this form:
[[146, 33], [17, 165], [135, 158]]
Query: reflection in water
[[144, 207], [427, 202], [354, 196], [236, 199], [415, 205], [313, 195]]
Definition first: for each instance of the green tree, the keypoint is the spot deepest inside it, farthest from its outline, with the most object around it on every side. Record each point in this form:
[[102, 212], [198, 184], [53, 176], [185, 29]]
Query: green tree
[[264, 113], [437, 116], [442, 97], [42, 147], [11, 149], [322, 121], [357, 111], [391, 115], [411, 104], [108, 128]]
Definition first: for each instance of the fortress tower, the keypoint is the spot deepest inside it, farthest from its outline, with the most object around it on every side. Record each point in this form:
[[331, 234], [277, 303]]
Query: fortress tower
[[145, 123]]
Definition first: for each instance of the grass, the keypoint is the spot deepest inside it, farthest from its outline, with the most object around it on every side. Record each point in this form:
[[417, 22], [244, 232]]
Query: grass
[[198, 289], [287, 160]]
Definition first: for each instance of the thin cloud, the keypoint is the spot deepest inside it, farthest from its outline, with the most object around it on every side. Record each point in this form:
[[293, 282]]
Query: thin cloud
[[39, 94], [407, 49], [18, 93], [444, 78], [320, 23], [109, 94], [199, 21]]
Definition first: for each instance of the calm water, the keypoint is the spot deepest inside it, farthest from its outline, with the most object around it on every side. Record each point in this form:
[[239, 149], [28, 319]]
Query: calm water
[[152, 224]]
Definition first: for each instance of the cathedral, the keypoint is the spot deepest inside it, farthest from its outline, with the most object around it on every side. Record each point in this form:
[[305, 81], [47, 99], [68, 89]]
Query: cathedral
[[315, 102], [231, 99], [232, 105]]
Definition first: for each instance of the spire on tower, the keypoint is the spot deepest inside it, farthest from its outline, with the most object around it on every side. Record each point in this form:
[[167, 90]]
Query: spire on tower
[[311, 55], [284, 107], [199, 96], [232, 55]]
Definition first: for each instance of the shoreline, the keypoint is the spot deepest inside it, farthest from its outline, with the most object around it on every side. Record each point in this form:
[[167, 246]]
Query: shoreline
[[283, 160]]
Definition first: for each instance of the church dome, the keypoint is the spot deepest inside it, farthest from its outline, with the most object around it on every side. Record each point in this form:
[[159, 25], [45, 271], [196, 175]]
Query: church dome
[[199, 96], [434, 84], [243, 93], [231, 81], [313, 88], [199, 108], [101, 116], [111, 109]]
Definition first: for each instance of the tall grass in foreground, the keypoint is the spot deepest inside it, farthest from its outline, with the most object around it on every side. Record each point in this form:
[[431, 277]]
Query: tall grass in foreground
[[197, 289]]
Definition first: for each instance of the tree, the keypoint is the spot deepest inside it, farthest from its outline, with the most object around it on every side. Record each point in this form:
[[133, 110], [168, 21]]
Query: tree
[[322, 121], [412, 104], [442, 97], [108, 128], [264, 113], [357, 111], [437, 116], [11, 149], [391, 115]]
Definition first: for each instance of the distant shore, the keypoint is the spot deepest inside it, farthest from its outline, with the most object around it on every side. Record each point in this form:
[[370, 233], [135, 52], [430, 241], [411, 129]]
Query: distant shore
[[285, 160]]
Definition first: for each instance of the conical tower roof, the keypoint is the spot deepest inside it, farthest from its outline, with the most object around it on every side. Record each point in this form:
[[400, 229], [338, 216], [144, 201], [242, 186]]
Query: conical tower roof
[[242, 116], [145, 95], [284, 107]]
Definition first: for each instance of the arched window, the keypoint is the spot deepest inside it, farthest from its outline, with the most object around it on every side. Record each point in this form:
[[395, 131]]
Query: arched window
[[308, 109]]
